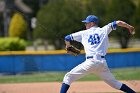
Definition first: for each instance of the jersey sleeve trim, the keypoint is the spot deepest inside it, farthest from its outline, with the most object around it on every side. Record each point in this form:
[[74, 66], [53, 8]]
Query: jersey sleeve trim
[[71, 37], [114, 25], [68, 38]]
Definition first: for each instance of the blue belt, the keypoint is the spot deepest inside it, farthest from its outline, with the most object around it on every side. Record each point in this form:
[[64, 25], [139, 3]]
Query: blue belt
[[92, 57]]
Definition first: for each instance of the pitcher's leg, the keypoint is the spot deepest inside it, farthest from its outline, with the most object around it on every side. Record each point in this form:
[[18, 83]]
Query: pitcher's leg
[[76, 73], [126, 89], [107, 76], [64, 88], [118, 85]]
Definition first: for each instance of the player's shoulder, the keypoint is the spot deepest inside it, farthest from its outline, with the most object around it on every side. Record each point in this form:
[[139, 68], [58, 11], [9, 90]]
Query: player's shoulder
[[106, 26], [79, 32], [82, 31]]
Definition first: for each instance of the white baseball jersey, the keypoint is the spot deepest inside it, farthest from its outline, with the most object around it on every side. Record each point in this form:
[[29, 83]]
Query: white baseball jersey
[[95, 39], [95, 42]]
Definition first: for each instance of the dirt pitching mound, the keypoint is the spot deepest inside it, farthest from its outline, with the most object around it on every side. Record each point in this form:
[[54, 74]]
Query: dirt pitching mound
[[76, 87]]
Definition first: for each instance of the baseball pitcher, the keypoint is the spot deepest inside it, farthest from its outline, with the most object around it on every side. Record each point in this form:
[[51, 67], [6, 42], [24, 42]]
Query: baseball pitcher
[[95, 42]]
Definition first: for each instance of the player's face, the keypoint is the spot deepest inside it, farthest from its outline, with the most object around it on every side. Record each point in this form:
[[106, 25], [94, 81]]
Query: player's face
[[89, 25]]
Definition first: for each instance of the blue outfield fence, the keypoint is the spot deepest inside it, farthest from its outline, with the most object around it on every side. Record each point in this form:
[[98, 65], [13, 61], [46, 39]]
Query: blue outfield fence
[[22, 62]]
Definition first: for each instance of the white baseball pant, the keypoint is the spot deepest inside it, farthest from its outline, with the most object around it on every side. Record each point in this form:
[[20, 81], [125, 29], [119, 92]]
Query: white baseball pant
[[94, 65]]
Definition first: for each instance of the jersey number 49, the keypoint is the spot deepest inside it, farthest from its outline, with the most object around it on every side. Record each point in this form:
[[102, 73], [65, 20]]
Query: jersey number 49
[[94, 39]]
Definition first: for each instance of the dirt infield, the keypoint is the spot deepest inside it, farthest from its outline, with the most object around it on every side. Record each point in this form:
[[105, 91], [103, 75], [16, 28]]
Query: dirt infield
[[54, 87]]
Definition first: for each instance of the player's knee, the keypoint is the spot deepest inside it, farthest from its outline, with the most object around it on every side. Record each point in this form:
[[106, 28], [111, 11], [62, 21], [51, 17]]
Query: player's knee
[[67, 79], [115, 84]]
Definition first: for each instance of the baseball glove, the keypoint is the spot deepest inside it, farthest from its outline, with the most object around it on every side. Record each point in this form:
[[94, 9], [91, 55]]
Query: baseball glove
[[73, 50]]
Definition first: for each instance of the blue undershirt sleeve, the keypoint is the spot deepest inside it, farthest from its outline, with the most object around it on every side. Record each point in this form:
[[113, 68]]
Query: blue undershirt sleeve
[[68, 38], [114, 25]]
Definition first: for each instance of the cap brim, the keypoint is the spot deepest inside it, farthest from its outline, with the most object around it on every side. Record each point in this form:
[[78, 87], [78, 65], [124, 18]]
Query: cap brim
[[85, 21]]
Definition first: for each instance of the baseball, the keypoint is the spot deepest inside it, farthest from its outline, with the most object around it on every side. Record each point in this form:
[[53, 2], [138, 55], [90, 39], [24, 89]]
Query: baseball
[[133, 32]]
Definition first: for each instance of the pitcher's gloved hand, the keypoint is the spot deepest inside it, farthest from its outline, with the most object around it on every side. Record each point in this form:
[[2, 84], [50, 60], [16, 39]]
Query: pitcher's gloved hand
[[73, 50]]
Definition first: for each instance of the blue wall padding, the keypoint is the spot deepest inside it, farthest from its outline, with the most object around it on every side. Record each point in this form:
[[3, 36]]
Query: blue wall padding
[[61, 62], [118, 60]]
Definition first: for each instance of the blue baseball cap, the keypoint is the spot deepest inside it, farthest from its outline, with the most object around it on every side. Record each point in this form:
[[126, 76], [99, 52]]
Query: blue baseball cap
[[91, 18]]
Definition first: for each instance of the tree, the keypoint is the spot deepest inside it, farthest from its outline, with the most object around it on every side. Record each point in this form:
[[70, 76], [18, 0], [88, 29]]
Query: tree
[[96, 7], [33, 4], [58, 18], [121, 10], [1, 26], [18, 26], [136, 20]]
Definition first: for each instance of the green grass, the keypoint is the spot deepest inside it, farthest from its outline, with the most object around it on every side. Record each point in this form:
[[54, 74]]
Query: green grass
[[120, 74], [34, 77]]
